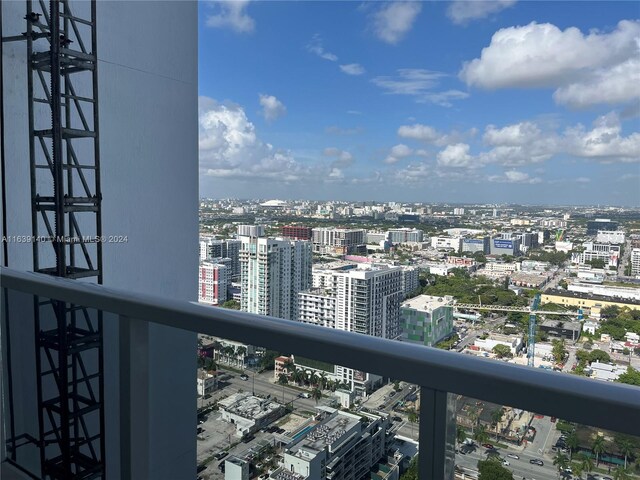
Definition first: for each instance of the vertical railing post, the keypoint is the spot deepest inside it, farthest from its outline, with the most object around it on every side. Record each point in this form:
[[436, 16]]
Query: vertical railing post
[[134, 398], [437, 435]]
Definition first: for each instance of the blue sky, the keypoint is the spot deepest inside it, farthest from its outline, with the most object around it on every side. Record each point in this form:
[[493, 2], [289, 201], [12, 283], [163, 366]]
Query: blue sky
[[501, 101]]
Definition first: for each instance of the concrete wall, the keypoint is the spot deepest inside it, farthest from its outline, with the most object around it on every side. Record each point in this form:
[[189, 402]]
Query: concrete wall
[[149, 154]]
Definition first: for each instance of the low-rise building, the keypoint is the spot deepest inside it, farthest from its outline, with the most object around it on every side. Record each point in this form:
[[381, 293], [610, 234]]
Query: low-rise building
[[236, 468], [614, 236], [207, 382], [585, 300], [514, 343], [426, 319], [447, 243], [606, 371], [562, 328], [248, 412]]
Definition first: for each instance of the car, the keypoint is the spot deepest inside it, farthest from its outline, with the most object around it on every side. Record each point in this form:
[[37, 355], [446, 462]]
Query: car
[[244, 377], [536, 461], [553, 419], [505, 462], [487, 445], [220, 455], [397, 419], [513, 455]]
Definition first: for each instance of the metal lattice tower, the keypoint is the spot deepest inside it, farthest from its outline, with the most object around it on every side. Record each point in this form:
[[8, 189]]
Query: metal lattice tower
[[66, 221], [531, 341]]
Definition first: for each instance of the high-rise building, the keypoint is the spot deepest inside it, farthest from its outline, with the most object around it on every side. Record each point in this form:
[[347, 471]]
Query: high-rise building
[[635, 261], [356, 298], [405, 235], [214, 280], [410, 280], [339, 241], [272, 272], [228, 248]]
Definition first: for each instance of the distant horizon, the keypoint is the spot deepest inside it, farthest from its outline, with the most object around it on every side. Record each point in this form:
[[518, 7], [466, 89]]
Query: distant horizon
[[461, 204], [489, 102]]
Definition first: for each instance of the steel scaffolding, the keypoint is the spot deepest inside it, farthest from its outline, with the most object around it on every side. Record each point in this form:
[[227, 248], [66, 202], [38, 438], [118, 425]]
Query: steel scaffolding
[[66, 199]]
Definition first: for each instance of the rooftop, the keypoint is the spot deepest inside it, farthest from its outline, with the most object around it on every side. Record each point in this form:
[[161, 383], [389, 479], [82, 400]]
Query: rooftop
[[329, 433], [427, 303], [248, 406]]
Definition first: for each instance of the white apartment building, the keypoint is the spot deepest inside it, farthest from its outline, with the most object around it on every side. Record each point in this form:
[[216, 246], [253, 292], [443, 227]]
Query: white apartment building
[[410, 280], [635, 261], [598, 251], [614, 236], [207, 382], [501, 267], [214, 280], [251, 231], [458, 211], [377, 237], [340, 447], [339, 241], [447, 243], [272, 272], [359, 298]]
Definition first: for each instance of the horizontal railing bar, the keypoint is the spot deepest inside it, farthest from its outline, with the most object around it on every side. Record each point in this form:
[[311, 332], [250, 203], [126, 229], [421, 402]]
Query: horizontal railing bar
[[601, 404]]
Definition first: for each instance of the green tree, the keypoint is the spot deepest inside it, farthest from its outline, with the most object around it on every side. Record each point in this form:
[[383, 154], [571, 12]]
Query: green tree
[[586, 462], [598, 447], [491, 469], [412, 471], [316, 394], [268, 358], [496, 418], [283, 379], [630, 377], [231, 305], [502, 351], [561, 461], [625, 446], [558, 351], [621, 473], [480, 435], [572, 442], [413, 419], [461, 434]]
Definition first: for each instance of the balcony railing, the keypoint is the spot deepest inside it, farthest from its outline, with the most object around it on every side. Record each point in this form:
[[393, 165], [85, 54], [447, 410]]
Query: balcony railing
[[438, 373]]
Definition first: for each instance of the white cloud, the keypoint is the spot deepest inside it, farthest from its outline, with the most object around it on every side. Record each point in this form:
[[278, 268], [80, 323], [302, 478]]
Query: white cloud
[[417, 131], [272, 108], [397, 153], [616, 85], [429, 135], [315, 47], [518, 144], [456, 156], [514, 176], [352, 69], [394, 20], [463, 11], [231, 14], [604, 141], [587, 69], [230, 148], [342, 157], [583, 180], [419, 83]]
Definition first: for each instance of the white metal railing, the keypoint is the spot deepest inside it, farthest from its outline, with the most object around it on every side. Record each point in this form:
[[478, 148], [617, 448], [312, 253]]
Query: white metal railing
[[437, 372]]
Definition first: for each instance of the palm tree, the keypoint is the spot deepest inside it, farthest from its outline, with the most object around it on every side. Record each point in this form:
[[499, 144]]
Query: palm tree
[[283, 379], [577, 469], [598, 447], [241, 351], [572, 443], [625, 445], [289, 366], [316, 394], [217, 349], [621, 473], [481, 435], [323, 380], [586, 462], [474, 414], [496, 418], [313, 378], [461, 434], [561, 461]]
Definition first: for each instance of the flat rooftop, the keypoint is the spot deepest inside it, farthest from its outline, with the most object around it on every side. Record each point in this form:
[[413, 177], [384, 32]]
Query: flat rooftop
[[590, 296], [328, 433], [427, 303], [247, 406]]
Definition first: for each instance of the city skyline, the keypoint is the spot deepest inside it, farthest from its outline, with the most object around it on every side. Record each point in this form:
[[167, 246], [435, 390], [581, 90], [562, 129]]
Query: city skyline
[[351, 105]]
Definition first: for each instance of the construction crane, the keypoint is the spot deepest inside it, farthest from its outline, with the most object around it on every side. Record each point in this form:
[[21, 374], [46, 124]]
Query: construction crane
[[533, 312]]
